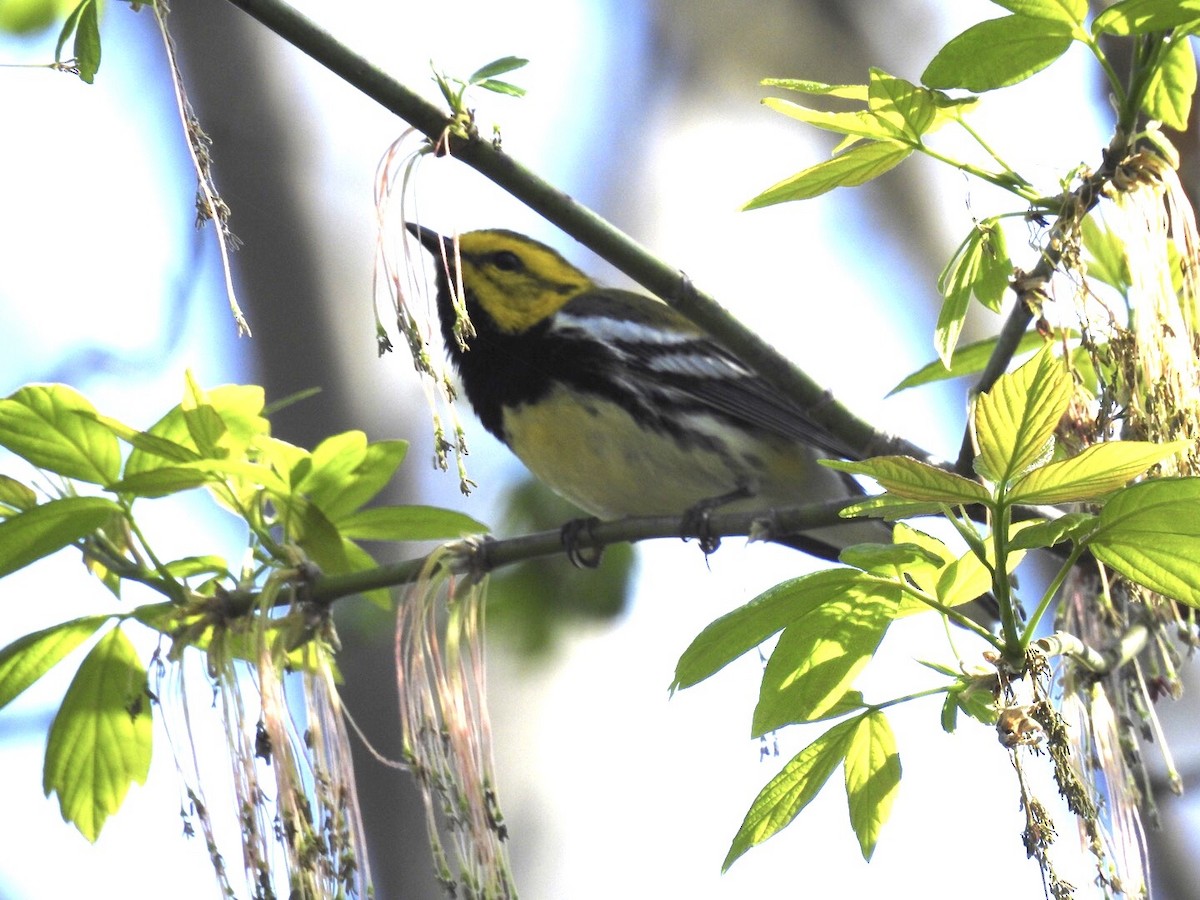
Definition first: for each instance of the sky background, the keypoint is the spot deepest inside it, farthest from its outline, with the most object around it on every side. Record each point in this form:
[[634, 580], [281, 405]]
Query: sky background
[[649, 113]]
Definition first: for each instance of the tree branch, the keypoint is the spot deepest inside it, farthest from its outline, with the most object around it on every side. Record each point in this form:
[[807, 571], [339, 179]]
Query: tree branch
[[477, 557], [856, 438]]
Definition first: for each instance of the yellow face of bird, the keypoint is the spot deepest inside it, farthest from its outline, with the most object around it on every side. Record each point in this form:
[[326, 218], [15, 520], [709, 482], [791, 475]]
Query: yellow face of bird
[[517, 281]]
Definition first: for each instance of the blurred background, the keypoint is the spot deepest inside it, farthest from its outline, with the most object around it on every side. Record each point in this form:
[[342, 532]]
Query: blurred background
[[649, 113]]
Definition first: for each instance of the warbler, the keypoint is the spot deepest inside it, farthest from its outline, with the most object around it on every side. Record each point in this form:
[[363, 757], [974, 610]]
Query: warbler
[[611, 398]]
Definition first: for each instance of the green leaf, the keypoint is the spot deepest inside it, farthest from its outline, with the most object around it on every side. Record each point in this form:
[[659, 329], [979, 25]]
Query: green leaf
[[1015, 420], [1172, 83], [146, 442], [997, 53], [925, 577], [791, 790], [890, 508], [165, 481], [87, 42], [101, 738], [914, 480], [1069, 11], [1073, 526], [858, 123], [1150, 533], [963, 580], [408, 523], [27, 659], [502, 87], [1107, 258], [1098, 470], [979, 266], [68, 29], [743, 629], [38, 532], [497, 67], [52, 427], [347, 472], [819, 654], [1146, 16], [908, 111], [872, 778], [967, 360], [190, 566], [853, 167], [15, 495], [818, 88], [238, 409], [887, 559]]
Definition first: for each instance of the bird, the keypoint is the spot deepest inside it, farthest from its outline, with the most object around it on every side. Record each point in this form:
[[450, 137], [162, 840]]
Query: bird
[[614, 400]]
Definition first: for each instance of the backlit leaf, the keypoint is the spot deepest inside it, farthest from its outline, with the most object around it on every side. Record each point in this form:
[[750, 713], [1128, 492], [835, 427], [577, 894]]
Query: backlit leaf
[[101, 739]]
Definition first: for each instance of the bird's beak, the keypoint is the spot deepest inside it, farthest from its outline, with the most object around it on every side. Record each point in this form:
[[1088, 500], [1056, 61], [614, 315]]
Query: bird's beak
[[431, 240]]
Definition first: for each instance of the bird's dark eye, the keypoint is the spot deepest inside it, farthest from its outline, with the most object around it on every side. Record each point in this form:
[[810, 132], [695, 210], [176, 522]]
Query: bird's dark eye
[[507, 261]]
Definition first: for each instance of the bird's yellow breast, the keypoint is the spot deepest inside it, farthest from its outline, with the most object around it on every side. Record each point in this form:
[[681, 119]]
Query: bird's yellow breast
[[595, 454]]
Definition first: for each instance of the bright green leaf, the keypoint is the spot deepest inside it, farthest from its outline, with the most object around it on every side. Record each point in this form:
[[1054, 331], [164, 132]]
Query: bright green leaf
[[238, 408], [889, 507], [979, 266], [1072, 526], [914, 480], [332, 462], [819, 654], [1146, 16], [925, 577], [52, 427], [27, 659], [1150, 533], [967, 578], [872, 778], [1172, 83], [1106, 258], [886, 559], [743, 629], [997, 53], [1015, 420], [101, 738], [1069, 11], [967, 360], [15, 495], [817, 88], [497, 67], [87, 41], [363, 482], [190, 566], [38, 532], [791, 790], [501, 87], [858, 123], [408, 523], [907, 110], [147, 443], [855, 166], [165, 481], [68, 29], [1098, 470]]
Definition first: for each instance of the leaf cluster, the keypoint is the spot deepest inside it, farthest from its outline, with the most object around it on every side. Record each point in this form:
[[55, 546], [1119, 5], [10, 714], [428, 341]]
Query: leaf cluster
[[900, 117], [304, 511], [829, 624]]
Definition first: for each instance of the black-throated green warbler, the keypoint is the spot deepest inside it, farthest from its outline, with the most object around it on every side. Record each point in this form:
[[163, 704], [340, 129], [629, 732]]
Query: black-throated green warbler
[[610, 397]]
